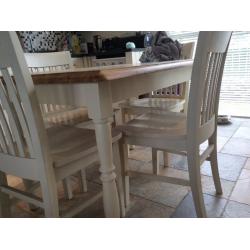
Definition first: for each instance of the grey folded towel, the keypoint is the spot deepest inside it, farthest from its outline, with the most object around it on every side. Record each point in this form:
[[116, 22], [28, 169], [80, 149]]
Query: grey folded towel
[[162, 49]]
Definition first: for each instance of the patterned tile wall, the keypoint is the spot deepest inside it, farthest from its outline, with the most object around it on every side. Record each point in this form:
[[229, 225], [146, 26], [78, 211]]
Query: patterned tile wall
[[43, 41]]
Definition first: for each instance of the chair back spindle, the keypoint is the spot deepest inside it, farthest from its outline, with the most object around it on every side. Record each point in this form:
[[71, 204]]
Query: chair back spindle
[[52, 61], [206, 80]]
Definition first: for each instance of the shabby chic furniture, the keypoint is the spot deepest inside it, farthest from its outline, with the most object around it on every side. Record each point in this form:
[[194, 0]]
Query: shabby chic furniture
[[27, 149], [183, 134], [97, 88]]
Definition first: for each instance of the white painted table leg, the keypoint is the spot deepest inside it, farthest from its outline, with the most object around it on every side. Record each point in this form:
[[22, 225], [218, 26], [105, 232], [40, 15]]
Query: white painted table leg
[[99, 103], [104, 144]]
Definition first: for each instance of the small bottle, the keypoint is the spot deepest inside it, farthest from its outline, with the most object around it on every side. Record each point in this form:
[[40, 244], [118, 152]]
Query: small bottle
[[148, 39]]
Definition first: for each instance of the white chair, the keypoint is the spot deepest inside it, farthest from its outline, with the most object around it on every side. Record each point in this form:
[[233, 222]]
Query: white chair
[[56, 114], [27, 150], [173, 99], [183, 134]]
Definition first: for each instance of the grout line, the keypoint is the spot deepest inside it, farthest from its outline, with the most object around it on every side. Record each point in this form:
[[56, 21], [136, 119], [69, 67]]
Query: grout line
[[230, 137], [156, 202]]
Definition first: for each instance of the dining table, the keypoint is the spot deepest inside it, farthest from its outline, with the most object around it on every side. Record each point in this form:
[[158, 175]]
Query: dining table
[[98, 88]]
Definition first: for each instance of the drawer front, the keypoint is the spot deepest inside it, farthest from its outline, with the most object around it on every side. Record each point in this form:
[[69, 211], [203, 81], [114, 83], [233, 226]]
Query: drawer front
[[109, 61]]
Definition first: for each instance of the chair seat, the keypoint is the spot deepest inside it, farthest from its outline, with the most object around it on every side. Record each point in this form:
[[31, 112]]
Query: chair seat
[[66, 117], [69, 144], [154, 104], [166, 131]]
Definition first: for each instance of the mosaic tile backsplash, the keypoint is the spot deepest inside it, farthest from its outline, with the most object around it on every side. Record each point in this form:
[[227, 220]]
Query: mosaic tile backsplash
[[44, 41]]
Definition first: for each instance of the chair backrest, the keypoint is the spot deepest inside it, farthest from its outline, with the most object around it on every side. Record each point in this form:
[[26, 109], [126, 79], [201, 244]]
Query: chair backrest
[[206, 79], [51, 61], [23, 140], [41, 62], [177, 91]]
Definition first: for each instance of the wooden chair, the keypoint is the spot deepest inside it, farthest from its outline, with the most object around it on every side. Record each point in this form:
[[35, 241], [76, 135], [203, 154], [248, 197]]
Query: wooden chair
[[173, 99], [56, 114], [180, 133], [27, 149]]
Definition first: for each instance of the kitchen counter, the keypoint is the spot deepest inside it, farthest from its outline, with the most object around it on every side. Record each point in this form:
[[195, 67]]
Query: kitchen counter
[[108, 54]]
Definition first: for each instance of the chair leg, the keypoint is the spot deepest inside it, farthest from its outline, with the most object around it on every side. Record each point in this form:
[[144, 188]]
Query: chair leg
[[165, 159], [28, 184], [5, 205], [214, 165], [84, 186], [50, 199], [195, 182], [67, 188], [155, 161], [119, 177], [123, 115], [123, 149]]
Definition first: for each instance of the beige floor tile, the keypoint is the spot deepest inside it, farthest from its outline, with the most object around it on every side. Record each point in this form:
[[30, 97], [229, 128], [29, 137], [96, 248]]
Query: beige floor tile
[[141, 154], [172, 172], [241, 192], [136, 165], [237, 146], [230, 166], [208, 187], [164, 193], [214, 207], [242, 132], [236, 210], [246, 123], [207, 182], [247, 165], [221, 141], [141, 208]]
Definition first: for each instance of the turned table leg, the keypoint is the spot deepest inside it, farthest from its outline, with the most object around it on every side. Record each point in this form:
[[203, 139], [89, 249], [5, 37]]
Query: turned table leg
[[98, 98], [107, 168]]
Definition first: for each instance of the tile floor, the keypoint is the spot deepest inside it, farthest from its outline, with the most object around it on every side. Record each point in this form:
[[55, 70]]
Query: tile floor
[[155, 199]]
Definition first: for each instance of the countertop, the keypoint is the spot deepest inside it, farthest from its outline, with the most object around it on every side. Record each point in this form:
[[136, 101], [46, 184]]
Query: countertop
[[108, 54]]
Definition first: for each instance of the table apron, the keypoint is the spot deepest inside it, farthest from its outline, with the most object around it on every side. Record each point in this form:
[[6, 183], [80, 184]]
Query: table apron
[[77, 94]]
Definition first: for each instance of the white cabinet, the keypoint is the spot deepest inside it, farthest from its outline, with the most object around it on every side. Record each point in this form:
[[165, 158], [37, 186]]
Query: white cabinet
[[131, 57], [77, 62], [83, 62], [108, 61]]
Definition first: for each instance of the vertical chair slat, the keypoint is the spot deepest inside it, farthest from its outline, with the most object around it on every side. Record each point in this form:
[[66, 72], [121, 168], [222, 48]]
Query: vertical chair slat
[[14, 97], [212, 85], [17, 135], [207, 79], [3, 142], [215, 89], [7, 133]]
